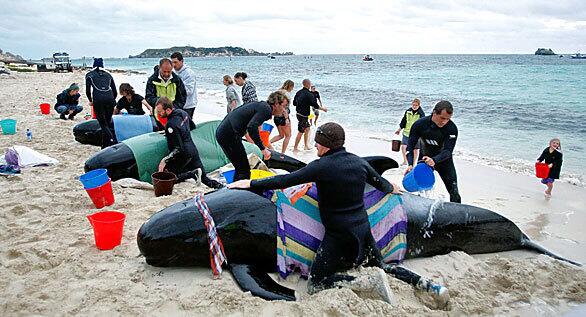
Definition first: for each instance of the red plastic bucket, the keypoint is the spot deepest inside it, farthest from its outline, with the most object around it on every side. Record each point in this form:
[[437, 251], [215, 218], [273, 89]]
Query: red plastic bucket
[[541, 170], [264, 137], [45, 108], [93, 113], [102, 195], [108, 227]]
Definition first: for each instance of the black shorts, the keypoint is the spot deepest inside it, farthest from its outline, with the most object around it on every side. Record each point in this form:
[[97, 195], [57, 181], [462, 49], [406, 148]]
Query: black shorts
[[279, 121], [302, 124]]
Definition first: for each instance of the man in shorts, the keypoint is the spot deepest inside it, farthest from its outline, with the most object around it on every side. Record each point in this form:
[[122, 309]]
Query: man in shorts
[[303, 102]]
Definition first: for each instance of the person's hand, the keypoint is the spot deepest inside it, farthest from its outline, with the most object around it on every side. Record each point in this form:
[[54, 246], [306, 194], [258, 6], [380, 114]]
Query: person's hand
[[429, 161], [396, 189], [398, 131], [550, 165], [324, 109], [408, 169], [162, 165], [242, 184], [266, 154]]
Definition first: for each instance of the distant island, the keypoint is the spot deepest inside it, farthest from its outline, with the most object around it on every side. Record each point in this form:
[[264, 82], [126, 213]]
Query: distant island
[[190, 51], [544, 51], [8, 57]]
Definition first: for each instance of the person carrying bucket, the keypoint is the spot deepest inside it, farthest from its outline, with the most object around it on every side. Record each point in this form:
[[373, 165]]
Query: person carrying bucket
[[552, 155], [68, 102], [438, 135], [411, 115], [248, 118], [183, 159]]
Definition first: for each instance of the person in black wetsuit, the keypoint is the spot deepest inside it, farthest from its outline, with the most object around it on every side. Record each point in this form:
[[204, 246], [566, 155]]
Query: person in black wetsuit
[[248, 118], [183, 159], [340, 178], [438, 135], [553, 157], [100, 90]]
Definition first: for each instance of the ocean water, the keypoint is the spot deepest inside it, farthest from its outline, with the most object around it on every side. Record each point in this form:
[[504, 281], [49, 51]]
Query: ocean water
[[507, 107]]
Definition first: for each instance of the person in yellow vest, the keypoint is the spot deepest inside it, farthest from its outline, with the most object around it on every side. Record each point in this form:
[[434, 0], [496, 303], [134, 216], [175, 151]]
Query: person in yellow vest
[[411, 115], [163, 83]]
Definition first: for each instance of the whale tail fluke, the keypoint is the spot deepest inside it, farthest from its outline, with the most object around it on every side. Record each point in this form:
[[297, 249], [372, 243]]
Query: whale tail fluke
[[530, 245]]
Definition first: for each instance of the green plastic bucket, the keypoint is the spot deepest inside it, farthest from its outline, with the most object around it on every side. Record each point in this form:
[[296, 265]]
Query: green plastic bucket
[[8, 126]]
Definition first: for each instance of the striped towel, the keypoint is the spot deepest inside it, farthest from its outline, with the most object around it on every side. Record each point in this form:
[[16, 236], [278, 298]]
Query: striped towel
[[300, 231], [217, 255]]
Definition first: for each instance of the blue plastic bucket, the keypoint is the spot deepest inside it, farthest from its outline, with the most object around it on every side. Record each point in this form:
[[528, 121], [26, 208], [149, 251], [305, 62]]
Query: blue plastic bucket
[[267, 127], [229, 176], [420, 178], [8, 126], [95, 178]]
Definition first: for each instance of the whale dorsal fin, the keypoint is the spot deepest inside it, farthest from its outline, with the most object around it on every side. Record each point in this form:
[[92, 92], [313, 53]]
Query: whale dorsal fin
[[259, 283]]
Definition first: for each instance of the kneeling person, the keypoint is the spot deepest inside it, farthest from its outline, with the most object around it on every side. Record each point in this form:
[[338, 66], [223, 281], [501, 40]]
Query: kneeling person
[[340, 178], [183, 159]]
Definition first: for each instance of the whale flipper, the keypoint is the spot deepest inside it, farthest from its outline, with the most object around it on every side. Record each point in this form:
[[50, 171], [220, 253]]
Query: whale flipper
[[259, 283], [381, 163]]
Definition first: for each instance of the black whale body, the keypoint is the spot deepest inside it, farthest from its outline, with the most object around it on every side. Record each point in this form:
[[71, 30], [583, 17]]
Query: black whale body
[[120, 162], [176, 235], [246, 222]]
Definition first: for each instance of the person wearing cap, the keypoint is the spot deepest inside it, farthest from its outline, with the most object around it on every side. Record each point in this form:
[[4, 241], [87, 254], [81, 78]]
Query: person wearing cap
[[183, 159], [340, 178], [248, 118], [68, 102], [438, 136], [100, 90]]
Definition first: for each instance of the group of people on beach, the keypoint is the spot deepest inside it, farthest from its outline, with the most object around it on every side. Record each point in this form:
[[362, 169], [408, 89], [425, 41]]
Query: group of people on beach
[[436, 136], [307, 103], [340, 176]]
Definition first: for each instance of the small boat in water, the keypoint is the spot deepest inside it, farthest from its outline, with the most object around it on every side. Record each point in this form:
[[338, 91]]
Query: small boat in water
[[367, 58], [271, 56], [578, 56]]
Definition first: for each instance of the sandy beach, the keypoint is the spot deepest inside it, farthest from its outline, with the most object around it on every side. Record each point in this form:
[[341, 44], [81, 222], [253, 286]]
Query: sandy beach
[[50, 265]]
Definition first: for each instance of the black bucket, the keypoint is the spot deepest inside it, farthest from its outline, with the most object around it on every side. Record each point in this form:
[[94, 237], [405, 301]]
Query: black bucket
[[396, 145], [163, 183]]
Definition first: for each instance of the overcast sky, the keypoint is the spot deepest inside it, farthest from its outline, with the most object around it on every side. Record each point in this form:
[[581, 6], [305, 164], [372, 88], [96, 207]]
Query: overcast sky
[[37, 28]]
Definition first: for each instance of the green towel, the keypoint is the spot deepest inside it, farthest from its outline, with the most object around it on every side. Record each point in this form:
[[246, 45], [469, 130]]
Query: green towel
[[149, 149]]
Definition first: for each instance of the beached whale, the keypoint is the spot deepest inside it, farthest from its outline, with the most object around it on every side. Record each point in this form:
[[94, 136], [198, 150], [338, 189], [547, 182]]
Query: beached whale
[[139, 157], [246, 222], [89, 131]]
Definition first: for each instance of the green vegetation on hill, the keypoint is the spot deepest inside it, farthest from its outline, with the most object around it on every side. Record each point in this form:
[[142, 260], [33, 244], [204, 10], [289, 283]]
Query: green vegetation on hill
[[190, 51]]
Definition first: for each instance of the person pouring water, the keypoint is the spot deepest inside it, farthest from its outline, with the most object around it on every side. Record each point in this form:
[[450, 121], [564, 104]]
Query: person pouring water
[[438, 135]]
